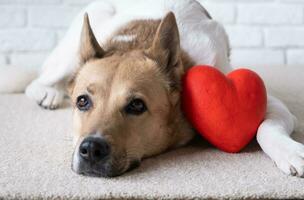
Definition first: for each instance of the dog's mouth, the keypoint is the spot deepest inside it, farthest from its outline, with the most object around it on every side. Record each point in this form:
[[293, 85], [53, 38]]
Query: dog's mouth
[[107, 171], [103, 170], [110, 167]]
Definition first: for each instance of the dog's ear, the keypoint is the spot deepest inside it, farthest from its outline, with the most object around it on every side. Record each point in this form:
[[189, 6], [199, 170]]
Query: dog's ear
[[89, 47], [166, 44]]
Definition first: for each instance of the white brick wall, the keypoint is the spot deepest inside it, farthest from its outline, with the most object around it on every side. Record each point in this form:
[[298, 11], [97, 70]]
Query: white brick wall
[[261, 32]]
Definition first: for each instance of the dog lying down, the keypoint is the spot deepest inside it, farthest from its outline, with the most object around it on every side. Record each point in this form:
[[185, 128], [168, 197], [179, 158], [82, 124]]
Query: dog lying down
[[123, 74]]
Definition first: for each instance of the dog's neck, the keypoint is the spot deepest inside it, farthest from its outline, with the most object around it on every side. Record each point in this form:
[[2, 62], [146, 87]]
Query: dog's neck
[[134, 35], [138, 35]]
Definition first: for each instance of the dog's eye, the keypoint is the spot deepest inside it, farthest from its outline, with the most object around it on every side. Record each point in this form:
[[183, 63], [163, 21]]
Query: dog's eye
[[136, 107], [83, 102]]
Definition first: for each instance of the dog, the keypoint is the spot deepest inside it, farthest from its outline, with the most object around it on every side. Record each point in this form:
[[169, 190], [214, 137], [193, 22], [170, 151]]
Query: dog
[[123, 73]]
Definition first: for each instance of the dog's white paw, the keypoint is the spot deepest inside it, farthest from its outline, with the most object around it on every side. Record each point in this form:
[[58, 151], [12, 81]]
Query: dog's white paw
[[290, 159], [47, 97]]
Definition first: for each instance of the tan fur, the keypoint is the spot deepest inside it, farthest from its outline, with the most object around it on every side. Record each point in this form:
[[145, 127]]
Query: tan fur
[[150, 68]]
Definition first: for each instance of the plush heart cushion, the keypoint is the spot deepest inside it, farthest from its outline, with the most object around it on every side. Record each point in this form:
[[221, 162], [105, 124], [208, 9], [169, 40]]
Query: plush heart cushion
[[226, 110]]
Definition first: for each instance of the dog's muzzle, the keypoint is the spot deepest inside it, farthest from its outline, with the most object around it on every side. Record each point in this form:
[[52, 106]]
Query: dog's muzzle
[[95, 157], [92, 157], [94, 150]]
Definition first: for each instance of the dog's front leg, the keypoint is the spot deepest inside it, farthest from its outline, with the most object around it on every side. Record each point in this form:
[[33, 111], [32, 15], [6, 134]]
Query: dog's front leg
[[274, 138], [48, 89]]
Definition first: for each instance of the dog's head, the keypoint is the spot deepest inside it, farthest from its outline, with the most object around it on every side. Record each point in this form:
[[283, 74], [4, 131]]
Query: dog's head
[[127, 105]]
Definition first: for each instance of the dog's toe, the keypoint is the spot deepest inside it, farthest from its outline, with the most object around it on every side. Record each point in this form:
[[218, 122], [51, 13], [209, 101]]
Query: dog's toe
[[291, 160], [46, 97], [285, 167], [58, 99], [47, 101]]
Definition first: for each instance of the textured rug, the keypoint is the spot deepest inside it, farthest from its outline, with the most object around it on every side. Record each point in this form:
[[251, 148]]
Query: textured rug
[[36, 149]]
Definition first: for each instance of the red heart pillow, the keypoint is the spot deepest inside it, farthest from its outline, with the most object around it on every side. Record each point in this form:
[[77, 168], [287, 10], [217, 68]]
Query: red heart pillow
[[226, 110]]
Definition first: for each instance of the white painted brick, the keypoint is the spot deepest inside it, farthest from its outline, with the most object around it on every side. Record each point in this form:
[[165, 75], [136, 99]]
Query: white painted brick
[[78, 2], [244, 36], [2, 60], [295, 56], [223, 12], [284, 37], [270, 14], [239, 1], [26, 40], [45, 1], [12, 17], [247, 57], [260, 31], [60, 34], [52, 16], [32, 60], [30, 1], [291, 1]]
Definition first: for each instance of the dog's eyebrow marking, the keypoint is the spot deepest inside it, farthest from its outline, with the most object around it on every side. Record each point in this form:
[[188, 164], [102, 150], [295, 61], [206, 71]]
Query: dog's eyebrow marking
[[131, 96], [124, 38], [91, 88]]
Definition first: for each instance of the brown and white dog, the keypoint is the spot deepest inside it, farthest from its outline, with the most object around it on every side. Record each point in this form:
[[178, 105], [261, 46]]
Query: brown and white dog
[[125, 89], [127, 97]]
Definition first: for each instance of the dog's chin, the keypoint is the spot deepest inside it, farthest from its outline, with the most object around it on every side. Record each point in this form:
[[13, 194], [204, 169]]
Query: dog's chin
[[103, 169], [99, 172]]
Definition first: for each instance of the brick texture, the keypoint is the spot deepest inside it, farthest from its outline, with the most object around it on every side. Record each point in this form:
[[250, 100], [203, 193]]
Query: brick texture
[[261, 32], [2, 60]]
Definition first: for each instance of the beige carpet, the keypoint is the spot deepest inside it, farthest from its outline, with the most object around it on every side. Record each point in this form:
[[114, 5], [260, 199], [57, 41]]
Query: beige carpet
[[36, 148]]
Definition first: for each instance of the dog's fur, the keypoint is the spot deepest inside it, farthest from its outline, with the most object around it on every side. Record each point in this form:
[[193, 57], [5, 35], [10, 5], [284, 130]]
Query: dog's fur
[[146, 59], [149, 67]]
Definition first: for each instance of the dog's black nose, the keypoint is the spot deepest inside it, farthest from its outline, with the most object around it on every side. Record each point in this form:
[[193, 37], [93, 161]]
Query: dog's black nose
[[94, 149]]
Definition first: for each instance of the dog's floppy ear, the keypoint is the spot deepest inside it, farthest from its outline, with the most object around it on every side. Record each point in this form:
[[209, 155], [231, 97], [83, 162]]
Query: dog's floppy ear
[[166, 44], [89, 47]]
